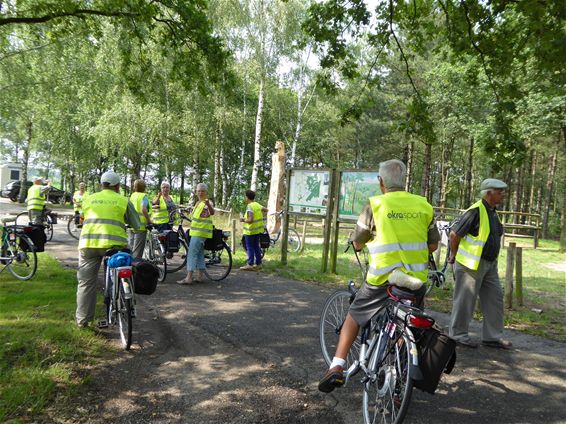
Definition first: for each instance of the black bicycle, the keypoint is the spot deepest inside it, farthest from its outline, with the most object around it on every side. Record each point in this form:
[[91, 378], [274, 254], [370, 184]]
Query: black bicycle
[[217, 253], [17, 251], [437, 277], [48, 218]]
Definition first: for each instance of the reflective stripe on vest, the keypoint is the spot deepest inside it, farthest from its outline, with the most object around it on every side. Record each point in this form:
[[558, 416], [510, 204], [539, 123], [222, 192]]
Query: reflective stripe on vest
[[161, 215], [35, 199], [200, 226], [470, 247], [104, 224], [137, 200], [401, 220], [256, 227]]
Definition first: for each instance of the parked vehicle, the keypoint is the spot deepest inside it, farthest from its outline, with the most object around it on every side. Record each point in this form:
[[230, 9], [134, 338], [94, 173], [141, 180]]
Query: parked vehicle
[[55, 195]]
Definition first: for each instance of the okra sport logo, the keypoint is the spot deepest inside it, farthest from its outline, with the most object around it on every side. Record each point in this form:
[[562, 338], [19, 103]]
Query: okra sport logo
[[404, 215]]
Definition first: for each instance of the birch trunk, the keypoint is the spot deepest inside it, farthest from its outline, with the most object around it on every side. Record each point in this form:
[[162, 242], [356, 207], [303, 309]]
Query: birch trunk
[[216, 180], [25, 162], [468, 179], [425, 180], [257, 139], [277, 187], [409, 161]]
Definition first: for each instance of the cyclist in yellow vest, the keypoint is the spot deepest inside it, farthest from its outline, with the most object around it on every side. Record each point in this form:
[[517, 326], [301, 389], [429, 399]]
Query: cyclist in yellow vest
[[475, 241], [105, 216], [141, 203], [253, 227], [36, 199], [201, 229], [399, 231], [161, 207], [78, 198]]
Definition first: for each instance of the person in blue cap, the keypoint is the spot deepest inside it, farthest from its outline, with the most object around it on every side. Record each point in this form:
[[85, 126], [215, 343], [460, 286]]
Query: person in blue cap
[[475, 241]]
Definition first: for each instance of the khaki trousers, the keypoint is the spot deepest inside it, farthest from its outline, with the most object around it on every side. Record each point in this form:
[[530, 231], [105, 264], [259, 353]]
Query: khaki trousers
[[87, 275], [484, 282], [137, 242]]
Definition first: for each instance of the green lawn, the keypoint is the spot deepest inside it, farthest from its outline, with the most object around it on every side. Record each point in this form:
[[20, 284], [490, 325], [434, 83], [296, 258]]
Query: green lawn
[[42, 352]]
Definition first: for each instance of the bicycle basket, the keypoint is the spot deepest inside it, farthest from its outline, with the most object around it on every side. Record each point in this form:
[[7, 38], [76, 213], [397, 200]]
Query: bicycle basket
[[437, 354], [216, 242], [146, 276]]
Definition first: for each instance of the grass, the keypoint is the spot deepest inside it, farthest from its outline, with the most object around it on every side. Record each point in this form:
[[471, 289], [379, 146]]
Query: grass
[[42, 352]]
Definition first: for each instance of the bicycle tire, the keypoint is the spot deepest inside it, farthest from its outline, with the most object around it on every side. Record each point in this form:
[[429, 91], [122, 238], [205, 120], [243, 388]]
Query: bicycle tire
[[160, 260], [387, 393], [217, 268], [22, 218], [179, 259], [332, 318], [48, 228], [125, 320], [293, 241], [72, 229], [23, 264]]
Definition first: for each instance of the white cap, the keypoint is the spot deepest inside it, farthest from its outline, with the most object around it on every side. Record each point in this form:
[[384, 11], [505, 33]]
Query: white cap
[[110, 177], [37, 178]]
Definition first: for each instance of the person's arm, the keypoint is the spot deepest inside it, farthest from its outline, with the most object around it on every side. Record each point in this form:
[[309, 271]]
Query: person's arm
[[155, 201], [454, 243], [364, 226], [468, 222], [433, 236], [210, 206], [249, 217], [145, 209]]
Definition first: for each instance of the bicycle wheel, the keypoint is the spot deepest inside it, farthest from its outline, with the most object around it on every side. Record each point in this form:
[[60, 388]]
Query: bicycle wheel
[[23, 262], [388, 392], [218, 263], [48, 228], [159, 260], [179, 259], [125, 320], [293, 241], [73, 229], [22, 218], [332, 318]]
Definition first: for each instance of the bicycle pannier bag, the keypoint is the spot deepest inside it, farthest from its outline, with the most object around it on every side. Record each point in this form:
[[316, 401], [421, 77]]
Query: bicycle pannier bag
[[437, 354], [145, 277], [216, 242], [53, 216], [264, 240], [38, 237], [171, 241]]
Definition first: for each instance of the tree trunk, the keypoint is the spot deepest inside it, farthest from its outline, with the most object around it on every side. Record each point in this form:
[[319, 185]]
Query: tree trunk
[[25, 161], [241, 171], [532, 206], [563, 222], [408, 158], [549, 188], [299, 124], [224, 198], [469, 177], [216, 180], [257, 139], [277, 187], [519, 189], [425, 179], [444, 173], [182, 192]]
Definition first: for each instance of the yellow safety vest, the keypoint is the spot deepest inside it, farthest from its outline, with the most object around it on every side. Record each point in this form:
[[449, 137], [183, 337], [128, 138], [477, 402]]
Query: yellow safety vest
[[401, 220], [470, 247], [79, 198], [161, 215], [200, 226], [256, 227], [137, 198], [104, 224], [35, 199]]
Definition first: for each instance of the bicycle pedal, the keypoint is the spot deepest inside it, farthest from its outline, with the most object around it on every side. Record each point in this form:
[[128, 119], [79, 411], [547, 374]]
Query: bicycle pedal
[[102, 324]]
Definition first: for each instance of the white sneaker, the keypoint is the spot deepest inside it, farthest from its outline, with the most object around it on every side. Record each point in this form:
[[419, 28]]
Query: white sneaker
[[247, 267]]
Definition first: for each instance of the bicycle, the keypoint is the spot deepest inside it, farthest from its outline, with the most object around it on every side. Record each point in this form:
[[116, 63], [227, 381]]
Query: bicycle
[[385, 351], [47, 220], [119, 297], [154, 251], [17, 251], [294, 242], [74, 226], [217, 253], [437, 277]]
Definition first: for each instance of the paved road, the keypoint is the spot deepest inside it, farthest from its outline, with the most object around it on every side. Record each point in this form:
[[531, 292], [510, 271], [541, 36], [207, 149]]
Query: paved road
[[246, 351]]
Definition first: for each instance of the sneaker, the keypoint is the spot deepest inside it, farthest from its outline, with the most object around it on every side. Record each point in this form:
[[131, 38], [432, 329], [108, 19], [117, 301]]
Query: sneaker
[[247, 267], [257, 267], [467, 343], [184, 282], [499, 344], [333, 378]]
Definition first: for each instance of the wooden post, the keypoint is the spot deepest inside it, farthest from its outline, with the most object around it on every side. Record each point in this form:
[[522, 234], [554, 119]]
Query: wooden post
[[509, 275], [285, 223], [233, 241], [276, 187], [295, 222], [519, 276], [336, 232], [303, 236], [328, 221]]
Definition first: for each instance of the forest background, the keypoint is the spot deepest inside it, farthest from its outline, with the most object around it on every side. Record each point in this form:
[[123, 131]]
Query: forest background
[[190, 91]]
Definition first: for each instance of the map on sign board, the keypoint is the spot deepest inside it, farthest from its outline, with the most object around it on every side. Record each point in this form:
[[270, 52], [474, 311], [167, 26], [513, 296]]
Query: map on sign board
[[308, 192], [355, 189]]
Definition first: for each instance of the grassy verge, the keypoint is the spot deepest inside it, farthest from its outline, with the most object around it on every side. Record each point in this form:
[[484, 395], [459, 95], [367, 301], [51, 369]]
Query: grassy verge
[[42, 352]]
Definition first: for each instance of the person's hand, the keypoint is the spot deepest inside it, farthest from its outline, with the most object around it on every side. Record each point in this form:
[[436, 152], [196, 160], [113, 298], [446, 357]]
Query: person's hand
[[451, 259]]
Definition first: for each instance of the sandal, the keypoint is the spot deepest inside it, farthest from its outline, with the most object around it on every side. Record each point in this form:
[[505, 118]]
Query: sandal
[[184, 282], [499, 344]]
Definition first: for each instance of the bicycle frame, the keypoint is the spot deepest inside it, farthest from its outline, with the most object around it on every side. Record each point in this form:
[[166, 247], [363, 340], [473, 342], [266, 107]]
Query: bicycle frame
[[112, 275]]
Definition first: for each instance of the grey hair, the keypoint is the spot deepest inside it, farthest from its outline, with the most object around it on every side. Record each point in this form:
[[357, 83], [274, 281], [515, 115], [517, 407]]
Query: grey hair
[[484, 192], [393, 173], [202, 186], [165, 184]]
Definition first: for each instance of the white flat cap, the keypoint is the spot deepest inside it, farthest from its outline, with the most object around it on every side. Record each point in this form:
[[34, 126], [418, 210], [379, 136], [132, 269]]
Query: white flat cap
[[111, 178], [492, 183]]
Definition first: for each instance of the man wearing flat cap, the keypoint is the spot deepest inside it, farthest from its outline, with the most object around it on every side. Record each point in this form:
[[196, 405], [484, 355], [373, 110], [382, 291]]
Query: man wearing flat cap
[[475, 241], [105, 216], [36, 199]]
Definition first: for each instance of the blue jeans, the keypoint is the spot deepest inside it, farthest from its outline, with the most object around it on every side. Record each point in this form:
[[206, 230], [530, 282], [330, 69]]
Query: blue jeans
[[253, 248], [195, 255]]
